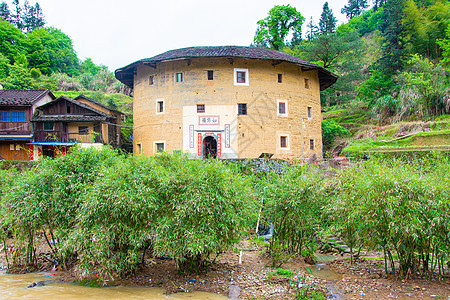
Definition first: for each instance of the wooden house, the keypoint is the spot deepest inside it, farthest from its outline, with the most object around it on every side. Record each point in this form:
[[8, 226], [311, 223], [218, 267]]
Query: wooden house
[[16, 130], [65, 122]]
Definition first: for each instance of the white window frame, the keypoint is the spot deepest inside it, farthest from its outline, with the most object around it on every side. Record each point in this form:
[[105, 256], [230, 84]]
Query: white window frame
[[157, 106], [155, 149], [246, 83], [278, 108]]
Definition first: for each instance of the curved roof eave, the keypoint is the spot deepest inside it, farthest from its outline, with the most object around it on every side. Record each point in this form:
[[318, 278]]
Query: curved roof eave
[[126, 74]]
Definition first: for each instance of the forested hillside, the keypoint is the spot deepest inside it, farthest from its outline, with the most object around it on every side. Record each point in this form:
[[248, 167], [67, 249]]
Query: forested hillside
[[393, 59], [33, 56]]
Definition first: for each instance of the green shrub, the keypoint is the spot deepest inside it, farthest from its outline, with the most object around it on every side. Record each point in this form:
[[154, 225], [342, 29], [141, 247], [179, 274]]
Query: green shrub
[[398, 208]]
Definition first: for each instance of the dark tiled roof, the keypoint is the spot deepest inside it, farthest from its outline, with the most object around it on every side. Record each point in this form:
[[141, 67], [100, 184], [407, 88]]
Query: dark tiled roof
[[22, 97], [98, 103], [126, 74], [79, 104], [67, 118]]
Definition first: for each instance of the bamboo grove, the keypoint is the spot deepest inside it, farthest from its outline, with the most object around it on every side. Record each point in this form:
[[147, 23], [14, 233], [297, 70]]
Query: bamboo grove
[[101, 212]]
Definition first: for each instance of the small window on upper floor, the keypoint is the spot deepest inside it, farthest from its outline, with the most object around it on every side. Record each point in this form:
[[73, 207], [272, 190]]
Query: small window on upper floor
[[280, 78], [18, 116], [178, 77], [307, 85], [5, 116], [150, 80], [311, 144], [241, 77], [282, 109], [210, 75], [200, 108], [242, 108], [139, 148], [159, 107], [49, 126], [68, 109], [283, 141], [309, 112]]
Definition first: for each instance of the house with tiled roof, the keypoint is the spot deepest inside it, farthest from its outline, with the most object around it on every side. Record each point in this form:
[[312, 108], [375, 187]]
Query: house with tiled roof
[[65, 122], [227, 102], [16, 130]]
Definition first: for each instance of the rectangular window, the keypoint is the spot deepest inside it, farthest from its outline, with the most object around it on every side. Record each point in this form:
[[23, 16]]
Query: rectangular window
[[139, 148], [281, 107], [159, 147], [178, 77], [83, 130], [200, 108], [150, 80], [280, 78], [48, 126], [307, 83], [309, 112], [283, 141], [311, 144], [241, 77], [68, 109], [18, 116], [242, 108], [210, 75], [159, 106], [5, 116]]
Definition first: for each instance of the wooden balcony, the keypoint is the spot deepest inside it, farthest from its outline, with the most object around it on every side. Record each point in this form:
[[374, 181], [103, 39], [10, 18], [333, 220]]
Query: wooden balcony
[[70, 137]]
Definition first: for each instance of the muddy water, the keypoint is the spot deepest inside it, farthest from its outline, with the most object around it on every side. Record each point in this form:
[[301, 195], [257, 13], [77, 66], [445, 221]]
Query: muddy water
[[15, 287], [322, 271]]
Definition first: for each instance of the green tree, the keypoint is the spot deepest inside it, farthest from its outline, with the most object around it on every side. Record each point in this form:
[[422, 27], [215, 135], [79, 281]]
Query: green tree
[[378, 3], [330, 131], [4, 11], [326, 49], [354, 8], [19, 79], [445, 46], [312, 30], [394, 33], [88, 66], [11, 40], [4, 66], [282, 21], [33, 17], [327, 22], [16, 16], [59, 48]]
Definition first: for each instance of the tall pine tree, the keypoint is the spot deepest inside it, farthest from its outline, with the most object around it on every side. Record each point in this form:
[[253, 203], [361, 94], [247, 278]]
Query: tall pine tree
[[354, 8], [327, 22], [394, 32], [33, 17], [312, 30], [4, 11], [16, 17]]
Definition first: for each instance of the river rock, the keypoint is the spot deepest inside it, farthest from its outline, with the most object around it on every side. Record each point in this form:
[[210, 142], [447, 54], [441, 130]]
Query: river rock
[[234, 292]]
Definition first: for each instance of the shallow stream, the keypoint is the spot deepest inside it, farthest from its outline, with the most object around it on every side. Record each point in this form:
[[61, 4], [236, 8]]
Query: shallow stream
[[16, 287], [322, 271]]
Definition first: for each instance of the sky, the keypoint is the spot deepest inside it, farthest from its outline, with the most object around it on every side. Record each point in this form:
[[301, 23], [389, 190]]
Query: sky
[[116, 33]]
